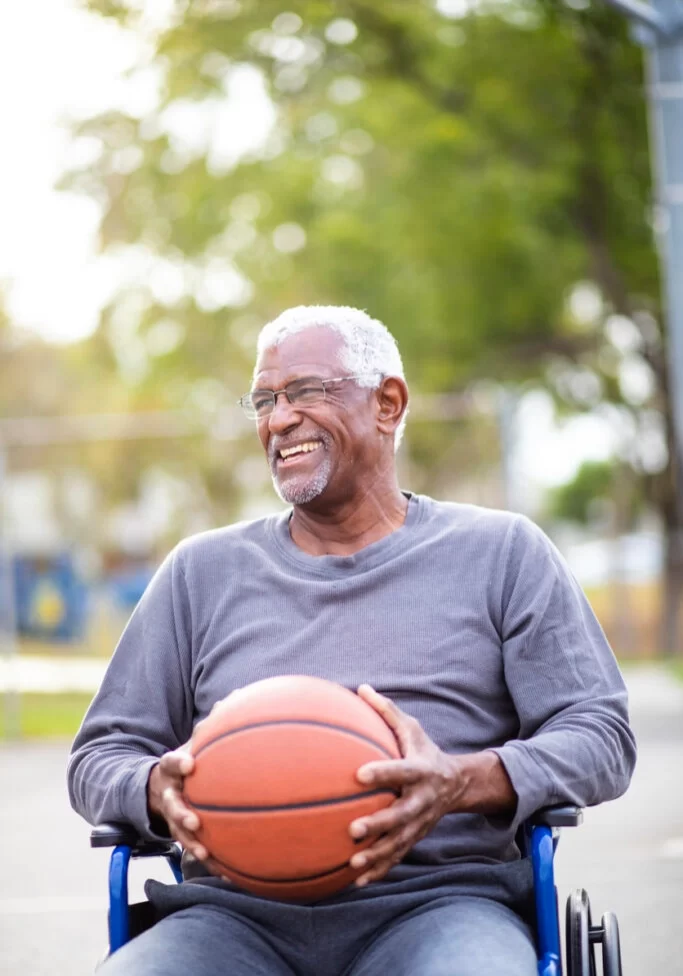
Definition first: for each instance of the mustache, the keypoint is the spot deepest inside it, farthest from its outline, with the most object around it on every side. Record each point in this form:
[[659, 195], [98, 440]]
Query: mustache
[[282, 443]]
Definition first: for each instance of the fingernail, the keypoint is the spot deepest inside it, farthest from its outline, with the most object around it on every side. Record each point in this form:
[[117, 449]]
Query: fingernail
[[364, 775], [358, 861], [191, 822], [358, 831], [361, 882]]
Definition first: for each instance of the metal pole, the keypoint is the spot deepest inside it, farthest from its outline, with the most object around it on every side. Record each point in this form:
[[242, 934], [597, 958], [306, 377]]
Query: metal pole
[[8, 628], [658, 26], [665, 84]]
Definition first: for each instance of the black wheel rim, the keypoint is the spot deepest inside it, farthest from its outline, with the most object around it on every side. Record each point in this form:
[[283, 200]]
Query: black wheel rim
[[579, 954], [611, 945]]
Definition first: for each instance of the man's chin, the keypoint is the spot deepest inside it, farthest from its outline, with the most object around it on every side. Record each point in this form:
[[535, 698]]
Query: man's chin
[[299, 492]]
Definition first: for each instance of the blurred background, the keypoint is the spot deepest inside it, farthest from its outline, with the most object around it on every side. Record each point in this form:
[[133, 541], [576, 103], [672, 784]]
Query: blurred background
[[478, 174]]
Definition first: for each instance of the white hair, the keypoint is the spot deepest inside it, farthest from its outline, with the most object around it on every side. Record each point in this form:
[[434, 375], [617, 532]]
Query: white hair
[[369, 347]]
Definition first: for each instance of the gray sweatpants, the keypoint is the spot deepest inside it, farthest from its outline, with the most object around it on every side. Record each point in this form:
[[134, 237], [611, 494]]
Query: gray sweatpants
[[413, 934]]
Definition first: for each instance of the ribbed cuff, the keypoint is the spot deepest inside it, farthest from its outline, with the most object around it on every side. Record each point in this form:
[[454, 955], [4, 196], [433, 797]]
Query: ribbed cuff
[[529, 780], [133, 800]]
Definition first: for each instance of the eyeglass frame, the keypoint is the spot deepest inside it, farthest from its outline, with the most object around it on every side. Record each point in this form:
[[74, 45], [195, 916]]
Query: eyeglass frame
[[245, 400]]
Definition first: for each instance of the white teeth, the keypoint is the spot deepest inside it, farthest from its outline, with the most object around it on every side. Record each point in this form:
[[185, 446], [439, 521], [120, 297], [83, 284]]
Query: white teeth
[[299, 449]]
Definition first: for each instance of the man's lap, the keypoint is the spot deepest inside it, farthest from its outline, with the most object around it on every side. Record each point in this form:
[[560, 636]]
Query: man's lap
[[454, 936], [462, 936]]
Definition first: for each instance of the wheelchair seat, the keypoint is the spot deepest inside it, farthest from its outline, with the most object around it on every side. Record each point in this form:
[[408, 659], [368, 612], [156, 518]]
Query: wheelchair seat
[[537, 839]]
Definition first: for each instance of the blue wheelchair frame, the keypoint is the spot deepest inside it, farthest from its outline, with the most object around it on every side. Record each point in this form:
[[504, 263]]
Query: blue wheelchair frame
[[538, 840], [541, 843]]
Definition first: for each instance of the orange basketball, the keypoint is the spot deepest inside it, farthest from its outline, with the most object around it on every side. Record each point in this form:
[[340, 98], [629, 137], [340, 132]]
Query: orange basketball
[[275, 786]]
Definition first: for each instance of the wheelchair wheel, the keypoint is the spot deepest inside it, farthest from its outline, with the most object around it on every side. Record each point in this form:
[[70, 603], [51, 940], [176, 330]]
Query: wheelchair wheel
[[582, 935], [611, 945], [580, 959]]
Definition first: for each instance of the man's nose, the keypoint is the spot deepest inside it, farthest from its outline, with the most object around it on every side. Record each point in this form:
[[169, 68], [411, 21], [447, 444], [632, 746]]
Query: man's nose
[[283, 416]]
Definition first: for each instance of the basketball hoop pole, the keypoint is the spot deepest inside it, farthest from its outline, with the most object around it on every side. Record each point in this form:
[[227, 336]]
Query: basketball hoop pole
[[664, 45], [658, 26]]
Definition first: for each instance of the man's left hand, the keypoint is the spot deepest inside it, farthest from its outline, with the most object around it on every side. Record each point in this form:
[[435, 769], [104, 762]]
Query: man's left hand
[[429, 782]]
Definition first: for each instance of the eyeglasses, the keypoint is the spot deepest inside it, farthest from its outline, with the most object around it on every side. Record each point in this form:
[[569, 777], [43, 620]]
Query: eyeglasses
[[309, 390]]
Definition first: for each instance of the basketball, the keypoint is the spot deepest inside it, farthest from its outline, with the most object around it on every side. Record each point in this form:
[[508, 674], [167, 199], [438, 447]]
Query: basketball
[[275, 787]]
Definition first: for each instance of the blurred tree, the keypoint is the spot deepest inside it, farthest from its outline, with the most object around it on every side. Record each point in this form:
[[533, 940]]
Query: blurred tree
[[44, 387], [575, 501], [476, 175], [607, 496], [591, 497]]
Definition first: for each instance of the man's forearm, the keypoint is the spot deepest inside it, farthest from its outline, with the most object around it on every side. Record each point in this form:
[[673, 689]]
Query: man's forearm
[[482, 785]]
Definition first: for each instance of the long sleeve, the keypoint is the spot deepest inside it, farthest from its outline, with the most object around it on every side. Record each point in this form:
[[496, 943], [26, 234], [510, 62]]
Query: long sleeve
[[574, 743], [142, 709]]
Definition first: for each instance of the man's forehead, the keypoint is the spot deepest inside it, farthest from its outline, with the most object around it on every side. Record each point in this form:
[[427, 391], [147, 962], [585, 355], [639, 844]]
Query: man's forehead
[[311, 352]]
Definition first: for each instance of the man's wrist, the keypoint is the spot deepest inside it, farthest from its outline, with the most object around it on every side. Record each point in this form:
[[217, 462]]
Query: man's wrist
[[156, 817], [482, 784], [152, 790]]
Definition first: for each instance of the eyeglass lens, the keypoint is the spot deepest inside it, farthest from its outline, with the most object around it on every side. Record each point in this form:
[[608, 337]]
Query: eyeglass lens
[[262, 402]]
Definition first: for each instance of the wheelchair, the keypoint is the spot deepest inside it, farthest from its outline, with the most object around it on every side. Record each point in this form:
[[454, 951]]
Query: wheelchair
[[537, 839]]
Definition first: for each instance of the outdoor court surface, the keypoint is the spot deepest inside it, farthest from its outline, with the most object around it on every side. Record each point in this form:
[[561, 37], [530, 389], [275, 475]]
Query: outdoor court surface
[[628, 854]]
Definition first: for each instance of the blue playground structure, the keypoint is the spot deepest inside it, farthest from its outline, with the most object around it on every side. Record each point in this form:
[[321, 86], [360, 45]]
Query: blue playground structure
[[51, 597]]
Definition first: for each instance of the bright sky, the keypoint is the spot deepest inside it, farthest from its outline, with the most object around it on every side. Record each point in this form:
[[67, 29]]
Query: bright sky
[[59, 62], [56, 61]]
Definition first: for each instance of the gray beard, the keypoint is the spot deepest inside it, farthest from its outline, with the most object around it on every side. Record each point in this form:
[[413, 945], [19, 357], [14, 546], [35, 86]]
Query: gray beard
[[296, 492]]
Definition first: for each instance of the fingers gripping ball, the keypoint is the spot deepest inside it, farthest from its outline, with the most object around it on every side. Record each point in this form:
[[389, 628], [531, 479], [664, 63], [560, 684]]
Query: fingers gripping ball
[[275, 787]]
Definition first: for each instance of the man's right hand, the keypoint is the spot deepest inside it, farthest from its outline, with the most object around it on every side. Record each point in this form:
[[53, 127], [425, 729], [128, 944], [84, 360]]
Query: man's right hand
[[165, 799]]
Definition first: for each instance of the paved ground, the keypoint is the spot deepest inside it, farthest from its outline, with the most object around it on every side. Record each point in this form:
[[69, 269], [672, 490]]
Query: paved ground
[[628, 854]]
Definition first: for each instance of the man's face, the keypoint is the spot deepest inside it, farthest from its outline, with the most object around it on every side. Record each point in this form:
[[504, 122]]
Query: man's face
[[334, 440]]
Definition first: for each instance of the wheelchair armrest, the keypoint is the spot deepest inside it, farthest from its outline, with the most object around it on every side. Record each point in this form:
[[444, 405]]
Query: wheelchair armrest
[[563, 815], [115, 834]]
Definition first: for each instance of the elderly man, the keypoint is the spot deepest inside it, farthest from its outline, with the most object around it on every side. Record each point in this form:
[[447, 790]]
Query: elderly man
[[461, 626]]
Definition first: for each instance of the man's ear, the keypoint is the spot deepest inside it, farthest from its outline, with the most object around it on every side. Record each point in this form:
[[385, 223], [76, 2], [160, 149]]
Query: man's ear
[[392, 402]]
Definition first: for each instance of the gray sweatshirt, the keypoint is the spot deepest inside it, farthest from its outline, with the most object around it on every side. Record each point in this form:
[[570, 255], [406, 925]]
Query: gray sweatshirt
[[467, 618]]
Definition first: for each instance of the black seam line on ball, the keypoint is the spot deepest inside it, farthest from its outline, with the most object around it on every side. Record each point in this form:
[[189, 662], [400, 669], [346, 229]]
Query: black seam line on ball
[[291, 806], [281, 881], [297, 721]]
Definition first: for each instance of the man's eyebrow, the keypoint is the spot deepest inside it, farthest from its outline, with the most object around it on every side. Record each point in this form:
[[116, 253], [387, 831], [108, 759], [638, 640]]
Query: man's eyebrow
[[296, 379]]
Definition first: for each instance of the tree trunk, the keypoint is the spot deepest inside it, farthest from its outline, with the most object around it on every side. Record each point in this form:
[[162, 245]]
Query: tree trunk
[[668, 496], [672, 597], [623, 618]]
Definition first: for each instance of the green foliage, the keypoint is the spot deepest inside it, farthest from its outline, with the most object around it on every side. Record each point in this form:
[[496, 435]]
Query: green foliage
[[598, 489], [457, 177], [454, 177], [576, 500]]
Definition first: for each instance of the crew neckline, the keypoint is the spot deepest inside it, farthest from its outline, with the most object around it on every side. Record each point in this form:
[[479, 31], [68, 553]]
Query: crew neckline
[[361, 561]]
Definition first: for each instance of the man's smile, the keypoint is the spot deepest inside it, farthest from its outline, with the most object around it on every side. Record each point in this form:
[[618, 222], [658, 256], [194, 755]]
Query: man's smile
[[295, 453]]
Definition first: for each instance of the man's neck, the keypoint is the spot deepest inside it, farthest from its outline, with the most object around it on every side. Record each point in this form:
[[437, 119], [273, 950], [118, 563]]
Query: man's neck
[[350, 527]]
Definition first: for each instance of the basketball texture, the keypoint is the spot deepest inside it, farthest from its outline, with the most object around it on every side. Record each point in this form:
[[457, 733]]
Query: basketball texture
[[275, 787]]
